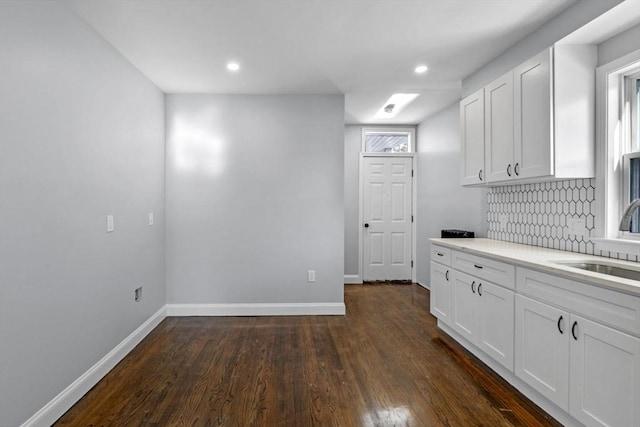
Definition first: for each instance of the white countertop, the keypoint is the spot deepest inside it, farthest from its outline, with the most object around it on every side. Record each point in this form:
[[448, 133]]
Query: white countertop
[[543, 259]]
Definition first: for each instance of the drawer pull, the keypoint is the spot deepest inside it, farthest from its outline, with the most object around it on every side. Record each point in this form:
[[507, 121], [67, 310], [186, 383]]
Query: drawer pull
[[446, 275], [439, 253], [559, 323], [473, 284], [478, 266], [573, 330], [480, 289]]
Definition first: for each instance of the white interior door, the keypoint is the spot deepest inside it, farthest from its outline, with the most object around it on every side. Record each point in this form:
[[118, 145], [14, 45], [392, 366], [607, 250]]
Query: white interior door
[[387, 217]]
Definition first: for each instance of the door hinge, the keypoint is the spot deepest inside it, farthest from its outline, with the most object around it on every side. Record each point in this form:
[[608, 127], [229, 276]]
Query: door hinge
[[411, 263], [412, 172], [411, 218]]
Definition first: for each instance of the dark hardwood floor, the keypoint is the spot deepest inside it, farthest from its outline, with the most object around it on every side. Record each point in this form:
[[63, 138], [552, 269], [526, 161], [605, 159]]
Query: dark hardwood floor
[[383, 364]]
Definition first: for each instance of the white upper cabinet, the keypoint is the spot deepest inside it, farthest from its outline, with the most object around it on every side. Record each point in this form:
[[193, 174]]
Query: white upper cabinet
[[499, 129], [538, 120], [472, 139], [533, 135]]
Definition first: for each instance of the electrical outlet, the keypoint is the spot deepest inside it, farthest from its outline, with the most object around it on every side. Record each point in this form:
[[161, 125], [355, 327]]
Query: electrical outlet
[[503, 219], [151, 219], [110, 224], [137, 294], [576, 226], [311, 276]]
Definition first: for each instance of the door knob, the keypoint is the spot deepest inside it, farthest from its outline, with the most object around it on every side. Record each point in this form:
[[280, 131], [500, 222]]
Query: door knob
[[366, 225]]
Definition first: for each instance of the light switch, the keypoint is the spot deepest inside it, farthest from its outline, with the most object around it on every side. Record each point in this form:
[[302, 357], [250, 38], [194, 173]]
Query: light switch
[[150, 219], [110, 224]]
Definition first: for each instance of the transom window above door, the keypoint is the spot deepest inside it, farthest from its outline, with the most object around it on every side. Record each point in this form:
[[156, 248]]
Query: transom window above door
[[388, 140]]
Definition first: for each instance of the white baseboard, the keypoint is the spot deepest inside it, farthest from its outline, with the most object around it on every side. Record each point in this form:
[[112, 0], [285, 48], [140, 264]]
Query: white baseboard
[[424, 286], [60, 404], [74, 392], [352, 279], [280, 309]]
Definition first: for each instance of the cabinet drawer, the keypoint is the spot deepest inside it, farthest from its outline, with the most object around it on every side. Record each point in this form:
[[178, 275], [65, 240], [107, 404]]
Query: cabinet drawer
[[494, 271], [441, 255], [606, 306]]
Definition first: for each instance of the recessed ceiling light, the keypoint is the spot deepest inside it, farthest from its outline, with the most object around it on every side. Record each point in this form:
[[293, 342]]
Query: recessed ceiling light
[[233, 66], [394, 105], [421, 69]]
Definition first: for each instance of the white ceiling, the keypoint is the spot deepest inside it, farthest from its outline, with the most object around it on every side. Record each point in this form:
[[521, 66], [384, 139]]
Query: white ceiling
[[365, 49]]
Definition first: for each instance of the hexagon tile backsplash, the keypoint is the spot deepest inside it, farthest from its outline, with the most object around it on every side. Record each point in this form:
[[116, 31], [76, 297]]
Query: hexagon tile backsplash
[[538, 214]]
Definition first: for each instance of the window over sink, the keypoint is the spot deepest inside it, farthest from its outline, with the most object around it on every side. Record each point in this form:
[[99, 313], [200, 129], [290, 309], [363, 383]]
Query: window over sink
[[618, 172]]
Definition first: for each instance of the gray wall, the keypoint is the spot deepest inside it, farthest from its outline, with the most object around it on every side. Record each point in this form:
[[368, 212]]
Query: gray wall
[[352, 144], [442, 201], [619, 45], [254, 198], [81, 136], [560, 26]]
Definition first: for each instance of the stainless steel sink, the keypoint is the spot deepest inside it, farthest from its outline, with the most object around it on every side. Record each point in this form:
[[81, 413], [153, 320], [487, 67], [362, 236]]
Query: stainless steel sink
[[605, 268]]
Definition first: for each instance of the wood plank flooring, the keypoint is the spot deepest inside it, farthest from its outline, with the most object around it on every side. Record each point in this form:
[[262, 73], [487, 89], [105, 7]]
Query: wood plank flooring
[[383, 364]]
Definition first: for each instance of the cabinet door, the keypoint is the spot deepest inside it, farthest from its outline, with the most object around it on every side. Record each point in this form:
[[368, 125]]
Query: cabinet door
[[441, 292], [472, 139], [542, 349], [533, 122], [498, 141], [465, 305], [605, 375], [496, 323]]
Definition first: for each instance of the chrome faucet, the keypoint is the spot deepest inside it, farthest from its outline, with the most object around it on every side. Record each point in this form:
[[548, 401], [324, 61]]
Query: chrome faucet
[[625, 222]]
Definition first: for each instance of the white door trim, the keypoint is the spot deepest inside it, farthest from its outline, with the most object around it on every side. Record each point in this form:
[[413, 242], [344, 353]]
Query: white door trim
[[414, 203]]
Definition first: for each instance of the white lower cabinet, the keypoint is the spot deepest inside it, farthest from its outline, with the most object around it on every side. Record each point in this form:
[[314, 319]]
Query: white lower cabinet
[[465, 306], [542, 349], [604, 380], [575, 345], [441, 292], [588, 369], [483, 314], [496, 323]]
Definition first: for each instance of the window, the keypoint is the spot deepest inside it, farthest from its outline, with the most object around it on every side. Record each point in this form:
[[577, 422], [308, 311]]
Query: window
[[631, 160], [630, 144], [386, 143], [631, 181], [618, 181], [388, 140], [633, 84]]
